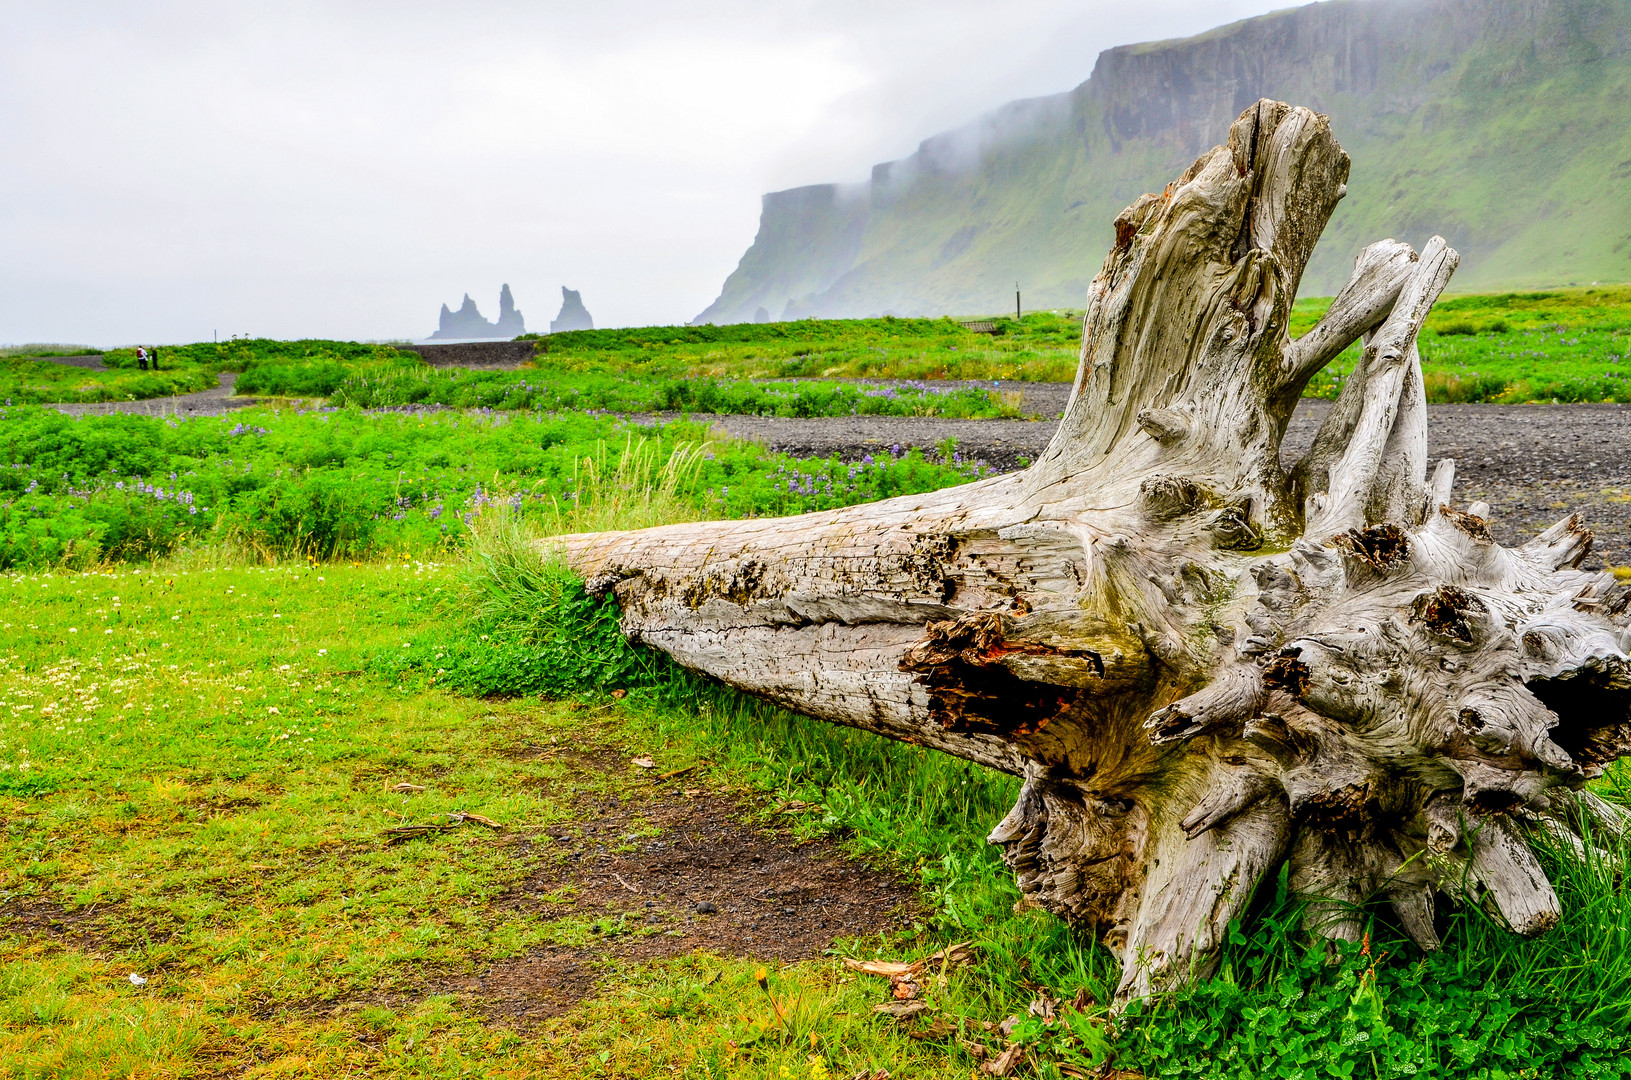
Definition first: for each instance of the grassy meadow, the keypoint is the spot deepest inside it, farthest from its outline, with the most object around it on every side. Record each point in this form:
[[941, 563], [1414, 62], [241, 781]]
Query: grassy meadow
[[208, 734], [202, 760], [312, 765], [331, 483], [1565, 345]]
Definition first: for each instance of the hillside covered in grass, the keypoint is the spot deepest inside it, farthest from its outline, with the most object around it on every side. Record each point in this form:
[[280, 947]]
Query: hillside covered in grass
[[1497, 123]]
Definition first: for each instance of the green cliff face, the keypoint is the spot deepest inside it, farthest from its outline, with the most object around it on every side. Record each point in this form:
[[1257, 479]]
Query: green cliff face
[[1505, 125]]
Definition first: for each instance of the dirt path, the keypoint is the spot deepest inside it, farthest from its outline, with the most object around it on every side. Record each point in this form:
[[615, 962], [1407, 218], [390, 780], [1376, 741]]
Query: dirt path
[[216, 402]]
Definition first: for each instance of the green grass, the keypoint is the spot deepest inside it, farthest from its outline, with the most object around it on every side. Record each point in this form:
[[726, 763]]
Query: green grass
[[1558, 345], [25, 381], [193, 771], [1040, 347], [209, 789], [275, 368], [534, 388], [1563, 345], [281, 483]]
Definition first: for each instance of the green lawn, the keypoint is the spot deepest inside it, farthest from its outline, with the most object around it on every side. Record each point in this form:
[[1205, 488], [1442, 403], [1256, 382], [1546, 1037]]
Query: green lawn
[[236, 653], [194, 767], [197, 764]]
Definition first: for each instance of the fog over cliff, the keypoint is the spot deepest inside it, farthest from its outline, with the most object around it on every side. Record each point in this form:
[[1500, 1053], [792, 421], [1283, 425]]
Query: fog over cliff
[[1500, 123]]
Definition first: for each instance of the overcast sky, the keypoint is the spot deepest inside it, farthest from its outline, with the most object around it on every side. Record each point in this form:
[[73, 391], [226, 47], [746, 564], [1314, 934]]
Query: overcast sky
[[168, 169]]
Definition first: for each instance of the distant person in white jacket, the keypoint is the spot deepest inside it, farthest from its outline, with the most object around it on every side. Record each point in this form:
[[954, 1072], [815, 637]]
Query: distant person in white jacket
[[141, 358]]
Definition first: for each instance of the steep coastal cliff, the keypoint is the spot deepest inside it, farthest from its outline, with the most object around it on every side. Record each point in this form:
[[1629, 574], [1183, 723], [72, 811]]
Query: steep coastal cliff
[[1507, 117]]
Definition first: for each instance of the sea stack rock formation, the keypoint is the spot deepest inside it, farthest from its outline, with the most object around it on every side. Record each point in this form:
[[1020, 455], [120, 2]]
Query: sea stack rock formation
[[467, 322], [573, 316]]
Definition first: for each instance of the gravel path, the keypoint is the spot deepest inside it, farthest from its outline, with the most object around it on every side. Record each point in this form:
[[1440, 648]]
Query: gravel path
[[216, 402], [1532, 463]]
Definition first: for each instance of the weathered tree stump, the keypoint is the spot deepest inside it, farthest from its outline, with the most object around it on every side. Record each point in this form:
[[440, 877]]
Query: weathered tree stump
[[1204, 665]]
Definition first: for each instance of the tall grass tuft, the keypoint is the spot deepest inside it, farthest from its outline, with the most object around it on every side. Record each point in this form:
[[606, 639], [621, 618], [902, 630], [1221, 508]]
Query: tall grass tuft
[[644, 488]]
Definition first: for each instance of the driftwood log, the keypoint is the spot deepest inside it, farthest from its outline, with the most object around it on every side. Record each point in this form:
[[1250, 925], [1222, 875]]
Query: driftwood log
[[1205, 664]]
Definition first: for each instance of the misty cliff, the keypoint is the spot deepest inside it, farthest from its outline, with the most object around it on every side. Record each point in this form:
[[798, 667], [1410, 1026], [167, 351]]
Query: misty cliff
[[1503, 124]]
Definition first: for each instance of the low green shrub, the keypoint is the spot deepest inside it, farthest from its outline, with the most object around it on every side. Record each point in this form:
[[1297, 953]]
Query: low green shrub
[[318, 379]]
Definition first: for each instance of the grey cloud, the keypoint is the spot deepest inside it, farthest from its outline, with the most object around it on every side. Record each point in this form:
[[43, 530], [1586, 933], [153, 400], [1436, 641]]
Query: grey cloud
[[344, 169]]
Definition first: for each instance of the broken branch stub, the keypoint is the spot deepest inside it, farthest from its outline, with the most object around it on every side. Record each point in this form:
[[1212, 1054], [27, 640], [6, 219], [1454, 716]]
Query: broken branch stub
[[1203, 665]]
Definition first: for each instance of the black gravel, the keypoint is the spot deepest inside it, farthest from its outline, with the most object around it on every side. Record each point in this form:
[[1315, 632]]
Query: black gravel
[[216, 402], [1533, 464]]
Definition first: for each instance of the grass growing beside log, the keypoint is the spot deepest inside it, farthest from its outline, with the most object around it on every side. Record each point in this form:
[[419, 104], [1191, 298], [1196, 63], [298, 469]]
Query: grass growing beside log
[[201, 766], [1487, 1004]]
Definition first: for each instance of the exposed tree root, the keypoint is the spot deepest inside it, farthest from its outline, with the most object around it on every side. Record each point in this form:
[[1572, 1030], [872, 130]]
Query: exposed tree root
[[1204, 666]]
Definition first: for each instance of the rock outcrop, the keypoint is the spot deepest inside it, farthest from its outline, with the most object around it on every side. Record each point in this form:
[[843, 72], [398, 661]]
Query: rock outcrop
[[1514, 108], [467, 322], [573, 316]]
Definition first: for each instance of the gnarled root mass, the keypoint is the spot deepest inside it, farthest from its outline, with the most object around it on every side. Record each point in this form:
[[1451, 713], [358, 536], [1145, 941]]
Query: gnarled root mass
[[1205, 665]]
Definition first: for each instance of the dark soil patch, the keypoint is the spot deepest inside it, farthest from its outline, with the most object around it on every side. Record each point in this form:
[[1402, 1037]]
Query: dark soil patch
[[89, 363], [31, 917], [719, 884], [534, 987], [708, 881]]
